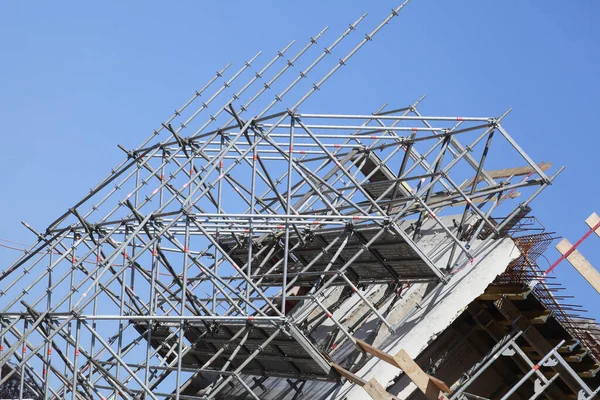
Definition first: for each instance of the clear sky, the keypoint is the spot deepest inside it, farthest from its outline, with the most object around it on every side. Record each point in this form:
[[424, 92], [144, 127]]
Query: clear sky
[[77, 78]]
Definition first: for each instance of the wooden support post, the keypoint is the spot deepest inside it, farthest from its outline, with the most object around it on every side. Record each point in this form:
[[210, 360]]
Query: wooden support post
[[433, 388], [376, 391], [578, 261], [373, 388]]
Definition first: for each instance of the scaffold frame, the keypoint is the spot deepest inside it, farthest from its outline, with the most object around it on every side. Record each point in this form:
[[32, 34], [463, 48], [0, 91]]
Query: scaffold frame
[[207, 258]]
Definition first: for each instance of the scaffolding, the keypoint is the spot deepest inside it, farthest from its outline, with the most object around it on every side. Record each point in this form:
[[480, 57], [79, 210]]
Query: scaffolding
[[207, 257]]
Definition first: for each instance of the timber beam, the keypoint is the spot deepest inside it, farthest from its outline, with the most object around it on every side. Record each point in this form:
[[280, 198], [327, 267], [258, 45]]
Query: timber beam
[[511, 291], [510, 172], [432, 388], [373, 388], [567, 348], [581, 264], [534, 338], [483, 317]]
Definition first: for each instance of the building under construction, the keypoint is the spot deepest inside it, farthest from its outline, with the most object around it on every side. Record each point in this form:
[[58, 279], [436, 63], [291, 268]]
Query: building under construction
[[251, 249]]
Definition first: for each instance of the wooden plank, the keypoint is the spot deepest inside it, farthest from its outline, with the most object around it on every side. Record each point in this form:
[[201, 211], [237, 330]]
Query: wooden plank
[[506, 288], [537, 314], [373, 388], [441, 385], [498, 296], [349, 375], [534, 317], [438, 199], [582, 265], [433, 388], [378, 392], [550, 374], [410, 368], [481, 199], [569, 347], [429, 387], [592, 221], [592, 373], [508, 172], [519, 171], [375, 352], [572, 358]]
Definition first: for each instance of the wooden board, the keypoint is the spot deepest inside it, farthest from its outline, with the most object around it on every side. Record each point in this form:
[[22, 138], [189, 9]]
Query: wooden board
[[377, 391], [582, 265], [374, 351], [373, 388], [508, 172], [433, 388], [349, 375], [592, 221]]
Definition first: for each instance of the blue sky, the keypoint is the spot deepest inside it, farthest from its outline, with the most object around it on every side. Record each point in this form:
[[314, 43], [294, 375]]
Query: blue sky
[[78, 78]]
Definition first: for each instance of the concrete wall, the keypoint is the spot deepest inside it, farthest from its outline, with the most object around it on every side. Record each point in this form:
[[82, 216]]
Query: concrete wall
[[423, 324]]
